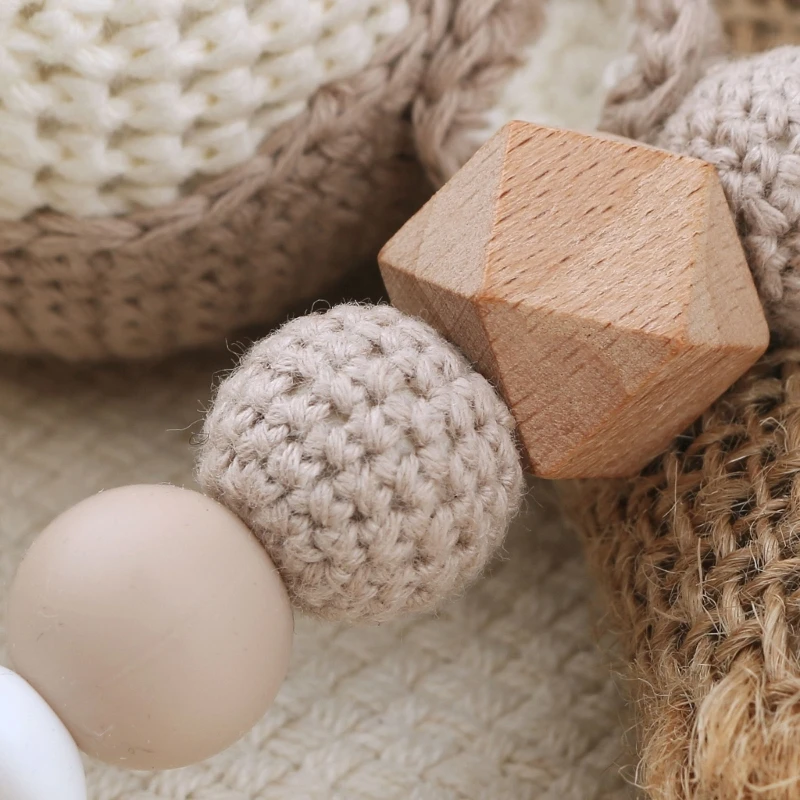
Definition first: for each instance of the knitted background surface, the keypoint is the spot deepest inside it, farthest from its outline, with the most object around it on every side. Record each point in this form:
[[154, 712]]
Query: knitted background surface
[[323, 192], [503, 696]]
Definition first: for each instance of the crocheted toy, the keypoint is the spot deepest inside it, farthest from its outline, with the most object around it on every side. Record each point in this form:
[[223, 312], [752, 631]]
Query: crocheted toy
[[374, 464], [601, 287], [172, 170]]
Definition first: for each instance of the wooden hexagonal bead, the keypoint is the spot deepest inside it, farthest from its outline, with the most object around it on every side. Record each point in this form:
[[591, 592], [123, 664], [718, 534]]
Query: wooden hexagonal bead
[[599, 283]]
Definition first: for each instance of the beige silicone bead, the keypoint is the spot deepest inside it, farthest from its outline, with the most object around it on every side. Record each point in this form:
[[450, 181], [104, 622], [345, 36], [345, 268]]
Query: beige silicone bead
[[153, 623]]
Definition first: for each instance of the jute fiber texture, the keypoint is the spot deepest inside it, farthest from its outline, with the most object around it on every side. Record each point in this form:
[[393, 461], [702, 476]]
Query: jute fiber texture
[[699, 554], [378, 469], [756, 25], [321, 194], [701, 559]]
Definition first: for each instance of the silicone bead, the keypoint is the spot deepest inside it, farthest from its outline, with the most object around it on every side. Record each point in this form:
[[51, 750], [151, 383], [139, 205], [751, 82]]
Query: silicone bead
[[38, 758], [154, 623]]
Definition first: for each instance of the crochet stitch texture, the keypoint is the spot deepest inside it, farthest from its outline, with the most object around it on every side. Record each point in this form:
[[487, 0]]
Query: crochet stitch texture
[[377, 468], [744, 118], [682, 93], [111, 105], [321, 195]]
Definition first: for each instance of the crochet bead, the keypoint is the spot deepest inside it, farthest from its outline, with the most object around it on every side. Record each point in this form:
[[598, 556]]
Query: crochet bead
[[744, 118], [600, 283], [154, 625], [377, 468]]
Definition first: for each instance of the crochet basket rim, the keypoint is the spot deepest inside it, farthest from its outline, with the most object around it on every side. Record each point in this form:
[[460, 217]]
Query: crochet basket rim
[[229, 254], [94, 288]]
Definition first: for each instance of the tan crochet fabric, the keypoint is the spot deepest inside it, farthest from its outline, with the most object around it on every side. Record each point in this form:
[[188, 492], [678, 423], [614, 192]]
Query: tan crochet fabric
[[741, 118], [378, 469], [674, 44], [684, 93], [676, 41], [322, 195]]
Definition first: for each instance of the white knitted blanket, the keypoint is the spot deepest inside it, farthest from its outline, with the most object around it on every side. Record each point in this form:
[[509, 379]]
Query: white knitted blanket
[[504, 696]]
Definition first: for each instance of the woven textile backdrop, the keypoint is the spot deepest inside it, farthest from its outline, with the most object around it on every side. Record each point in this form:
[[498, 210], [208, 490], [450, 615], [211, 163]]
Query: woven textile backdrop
[[504, 696]]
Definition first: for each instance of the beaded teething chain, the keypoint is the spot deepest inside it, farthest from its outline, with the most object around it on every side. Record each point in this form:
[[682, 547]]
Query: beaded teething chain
[[598, 283]]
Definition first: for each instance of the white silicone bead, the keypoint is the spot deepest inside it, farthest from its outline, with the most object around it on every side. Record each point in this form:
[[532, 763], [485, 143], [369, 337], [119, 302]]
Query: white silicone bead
[[38, 758]]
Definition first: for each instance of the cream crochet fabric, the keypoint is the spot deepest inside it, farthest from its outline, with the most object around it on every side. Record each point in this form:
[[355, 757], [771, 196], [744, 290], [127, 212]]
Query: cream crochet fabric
[[110, 105], [559, 83], [377, 468]]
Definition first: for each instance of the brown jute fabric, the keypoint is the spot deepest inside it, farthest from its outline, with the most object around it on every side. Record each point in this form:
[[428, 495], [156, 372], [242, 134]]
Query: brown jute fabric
[[323, 194], [700, 554], [756, 25]]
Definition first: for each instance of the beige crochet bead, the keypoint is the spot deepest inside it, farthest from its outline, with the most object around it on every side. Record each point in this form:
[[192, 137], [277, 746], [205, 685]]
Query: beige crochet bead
[[744, 117], [377, 468]]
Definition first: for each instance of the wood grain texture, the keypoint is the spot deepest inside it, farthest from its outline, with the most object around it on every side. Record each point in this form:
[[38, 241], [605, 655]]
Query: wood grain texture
[[599, 283]]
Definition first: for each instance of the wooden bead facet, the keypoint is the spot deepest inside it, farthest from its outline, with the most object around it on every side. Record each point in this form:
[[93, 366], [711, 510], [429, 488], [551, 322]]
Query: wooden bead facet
[[599, 283]]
